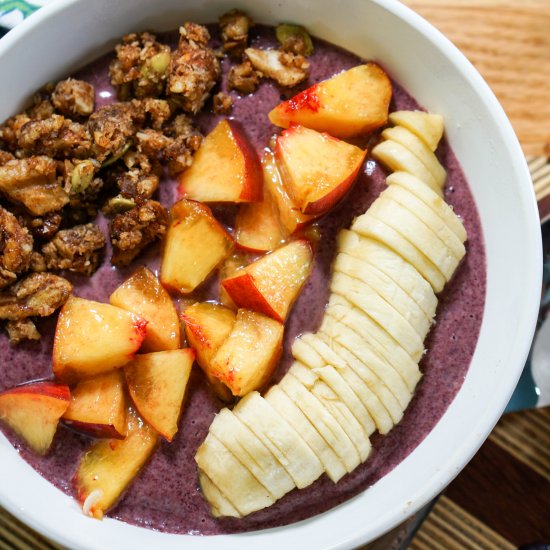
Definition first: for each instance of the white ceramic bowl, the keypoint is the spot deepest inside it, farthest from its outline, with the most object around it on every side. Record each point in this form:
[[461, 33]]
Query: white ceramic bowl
[[65, 35]]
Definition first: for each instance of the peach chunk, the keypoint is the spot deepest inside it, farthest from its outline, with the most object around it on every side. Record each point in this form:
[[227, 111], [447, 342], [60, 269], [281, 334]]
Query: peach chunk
[[109, 465], [33, 411], [316, 168], [258, 226], [98, 406], [349, 104], [271, 284], [247, 358], [92, 338], [207, 326], [291, 219], [195, 244], [143, 294], [226, 168], [157, 383]]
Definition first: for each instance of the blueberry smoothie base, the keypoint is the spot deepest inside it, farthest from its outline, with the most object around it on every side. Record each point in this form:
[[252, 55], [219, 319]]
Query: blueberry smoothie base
[[166, 496]]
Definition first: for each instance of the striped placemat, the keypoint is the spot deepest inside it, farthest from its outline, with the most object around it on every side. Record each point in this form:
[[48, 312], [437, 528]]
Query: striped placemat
[[501, 500]]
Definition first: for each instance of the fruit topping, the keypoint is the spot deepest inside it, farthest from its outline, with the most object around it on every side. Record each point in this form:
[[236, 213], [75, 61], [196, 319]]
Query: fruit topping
[[317, 169], [33, 411]]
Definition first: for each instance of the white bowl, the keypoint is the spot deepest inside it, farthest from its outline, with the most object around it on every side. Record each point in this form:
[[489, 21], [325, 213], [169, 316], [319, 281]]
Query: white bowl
[[63, 36]]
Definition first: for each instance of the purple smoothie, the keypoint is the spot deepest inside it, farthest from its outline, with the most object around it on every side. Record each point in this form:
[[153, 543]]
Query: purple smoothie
[[165, 496]]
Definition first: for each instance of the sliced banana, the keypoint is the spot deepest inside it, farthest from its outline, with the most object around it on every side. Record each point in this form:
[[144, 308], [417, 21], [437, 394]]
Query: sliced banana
[[245, 493], [429, 217], [388, 289], [221, 507], [419, 148], [279, 400], [353, 341], [283, 441], [369, 226], [372, 304], [323, 421], [309, 356], [397, 157], [431, 199], [379, 340], [427, 126], [252, 453], [334, 404], [392, 265], [417, 233], [364, 386], [333, 336]]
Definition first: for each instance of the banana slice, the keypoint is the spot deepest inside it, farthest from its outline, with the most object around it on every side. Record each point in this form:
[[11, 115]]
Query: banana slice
[[371, 303], [282, 404], [220, 505], [392, 265], [307, 353], [427, 126], [429, 217], [417, 232], [334, 404], [397, 157], [352, 340], [369, 226], [378, 339], [252, 453], [369, 377], [283, 441], [431, 199], [363, 387], [416, 146], [388, 289], [245, 493], [322, 420]]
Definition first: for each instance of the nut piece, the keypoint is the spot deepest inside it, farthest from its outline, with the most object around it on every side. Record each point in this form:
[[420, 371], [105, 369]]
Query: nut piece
[[222, 103], [234, 27], [141, 66], [23, 329], [74, 97], [194, 68], [132, 231], [32, 182], [76, 249], [16, 245], [285, 68], [243, 78], [38, 295]]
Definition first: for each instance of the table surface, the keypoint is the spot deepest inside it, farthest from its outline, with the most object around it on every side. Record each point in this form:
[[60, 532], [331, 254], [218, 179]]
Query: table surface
[[502, 497]]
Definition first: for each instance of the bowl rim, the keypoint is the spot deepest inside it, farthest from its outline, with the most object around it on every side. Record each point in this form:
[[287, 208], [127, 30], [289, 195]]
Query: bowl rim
[[463, 452]]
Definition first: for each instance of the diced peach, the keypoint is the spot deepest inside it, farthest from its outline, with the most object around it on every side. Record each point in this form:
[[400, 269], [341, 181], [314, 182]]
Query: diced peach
[[258, 226], [271, 284], [143, 294], [109, 465], [33, 411], [195, 244], [317, 169], [290, 216], [228, 268], [226, 168], [247, 358], [351, 103], [207, 326], [157, 383], [98, 406], [92, 338]]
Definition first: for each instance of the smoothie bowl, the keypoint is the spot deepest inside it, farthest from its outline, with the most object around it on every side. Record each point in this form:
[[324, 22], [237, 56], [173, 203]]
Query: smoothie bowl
[[200, 483]]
